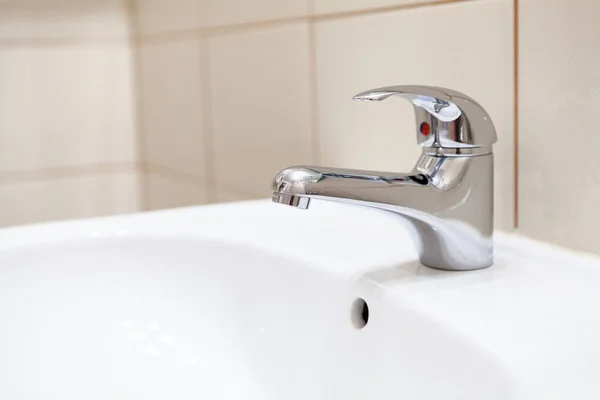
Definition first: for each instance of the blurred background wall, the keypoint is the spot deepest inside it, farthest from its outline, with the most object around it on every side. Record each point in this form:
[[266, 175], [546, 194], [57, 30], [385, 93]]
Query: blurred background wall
[[114, 106], [68, 138]]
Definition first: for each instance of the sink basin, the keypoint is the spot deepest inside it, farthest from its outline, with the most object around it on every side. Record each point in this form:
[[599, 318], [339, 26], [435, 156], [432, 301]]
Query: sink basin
[[258, 301]]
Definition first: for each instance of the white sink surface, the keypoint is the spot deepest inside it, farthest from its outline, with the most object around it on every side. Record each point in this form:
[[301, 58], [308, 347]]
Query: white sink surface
[[253, 301]]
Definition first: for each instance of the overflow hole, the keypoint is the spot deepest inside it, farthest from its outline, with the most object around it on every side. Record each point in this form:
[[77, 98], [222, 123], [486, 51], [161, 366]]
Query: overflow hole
[[359, 313]]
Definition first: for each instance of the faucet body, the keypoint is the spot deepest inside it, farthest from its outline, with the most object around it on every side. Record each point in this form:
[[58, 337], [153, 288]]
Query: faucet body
[[448, 202], [447, 199]]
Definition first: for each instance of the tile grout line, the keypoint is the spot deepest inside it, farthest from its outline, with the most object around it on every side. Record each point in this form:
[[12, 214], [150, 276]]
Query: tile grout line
[[224, 30], [131, 9], [314, 103], [172, 174], [516, 110], [311, 17], [183, 178], [216, 30], [205, 88], [207, 120], [66, 41], [313, 98], [74, 171], [340, 15]]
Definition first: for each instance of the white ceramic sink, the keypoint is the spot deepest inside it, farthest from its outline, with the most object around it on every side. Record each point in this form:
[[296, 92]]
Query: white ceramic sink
[[258, 301]]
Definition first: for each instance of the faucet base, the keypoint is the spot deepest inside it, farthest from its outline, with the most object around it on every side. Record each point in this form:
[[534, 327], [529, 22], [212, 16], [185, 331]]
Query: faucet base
[[448, 245], [447, 201]]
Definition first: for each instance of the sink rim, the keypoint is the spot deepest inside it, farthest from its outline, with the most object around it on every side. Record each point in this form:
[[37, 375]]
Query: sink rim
[[514, 309]]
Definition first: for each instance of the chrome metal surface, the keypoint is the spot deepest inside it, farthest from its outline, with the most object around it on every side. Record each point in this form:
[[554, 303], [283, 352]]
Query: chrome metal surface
[[291, 200], [455, 120], [448, 196]]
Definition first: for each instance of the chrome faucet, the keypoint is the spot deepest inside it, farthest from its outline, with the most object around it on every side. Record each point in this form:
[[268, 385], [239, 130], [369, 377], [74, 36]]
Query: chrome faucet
[[447, 197]]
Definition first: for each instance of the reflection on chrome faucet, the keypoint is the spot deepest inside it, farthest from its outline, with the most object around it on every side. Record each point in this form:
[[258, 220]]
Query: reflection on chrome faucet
[[447, 197]]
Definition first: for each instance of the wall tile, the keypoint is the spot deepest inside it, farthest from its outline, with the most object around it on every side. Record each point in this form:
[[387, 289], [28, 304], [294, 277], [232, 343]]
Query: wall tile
[[68, 198], [159, 16], [559, 99], [226, 12], [227, 194], [30, 19], [165, 192], [260, 101], [335, 6], [64, 106], [470, 50], [171, 105]]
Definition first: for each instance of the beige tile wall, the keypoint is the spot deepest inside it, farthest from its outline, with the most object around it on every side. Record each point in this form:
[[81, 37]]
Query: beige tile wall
[[559, 116], [68, 195], [65, 105], [324, 7], [260, 95], [227, 12], [217, 96], [271, 82], [160, 16], [63, 19], [68, 145], [166, 189], [171, 100]]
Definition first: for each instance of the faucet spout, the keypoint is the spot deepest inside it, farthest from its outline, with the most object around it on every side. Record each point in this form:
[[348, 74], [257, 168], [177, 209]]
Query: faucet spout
[[447, 200], [346, 185], [291, 200]]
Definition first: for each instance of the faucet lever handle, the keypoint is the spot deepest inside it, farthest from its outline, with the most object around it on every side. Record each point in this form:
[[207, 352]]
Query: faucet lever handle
[[445, 118]]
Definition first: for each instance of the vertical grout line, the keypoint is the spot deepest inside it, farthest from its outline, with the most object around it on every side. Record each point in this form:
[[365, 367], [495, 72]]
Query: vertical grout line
[[207, 121], [218, 30], [132, 10], [206, 111], [313, 97], [65, 172], [516, 108]]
